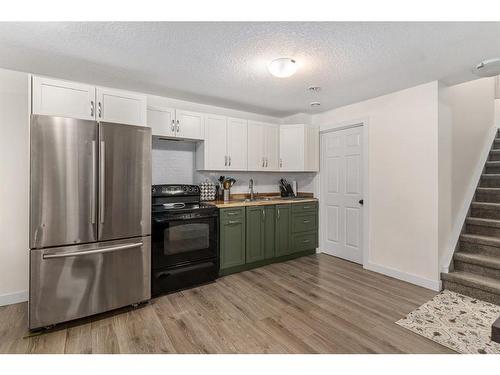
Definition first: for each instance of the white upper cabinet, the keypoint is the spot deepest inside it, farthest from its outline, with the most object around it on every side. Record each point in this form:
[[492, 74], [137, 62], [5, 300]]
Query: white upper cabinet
[[120, 106], [299, 148], [237, 144], [225, 146], [215, 148], [263, 146], [161, 120], [63, 98], [189, 124], [77, 100]]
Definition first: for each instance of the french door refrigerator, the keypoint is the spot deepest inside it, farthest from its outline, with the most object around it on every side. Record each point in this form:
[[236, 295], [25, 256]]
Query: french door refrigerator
[[90, 218]]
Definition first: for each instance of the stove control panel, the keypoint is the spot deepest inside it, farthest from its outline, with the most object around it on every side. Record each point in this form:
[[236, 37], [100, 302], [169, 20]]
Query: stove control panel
[[175, 190]]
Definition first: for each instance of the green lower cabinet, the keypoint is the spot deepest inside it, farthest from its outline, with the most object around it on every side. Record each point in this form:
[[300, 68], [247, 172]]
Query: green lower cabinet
[[283, 214], [232, 237], [255, 236], [269, 232]]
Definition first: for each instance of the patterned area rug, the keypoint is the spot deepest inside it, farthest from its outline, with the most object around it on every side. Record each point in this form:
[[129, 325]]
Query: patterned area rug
[[456, 321]]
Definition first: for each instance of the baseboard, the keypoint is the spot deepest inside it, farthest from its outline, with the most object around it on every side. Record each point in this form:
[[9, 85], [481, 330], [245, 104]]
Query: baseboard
[[408, 277], [445, 260], [11, 298]]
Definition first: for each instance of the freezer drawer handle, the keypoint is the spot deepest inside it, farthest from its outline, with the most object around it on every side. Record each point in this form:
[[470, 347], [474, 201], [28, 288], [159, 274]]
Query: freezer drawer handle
[[96, 251]]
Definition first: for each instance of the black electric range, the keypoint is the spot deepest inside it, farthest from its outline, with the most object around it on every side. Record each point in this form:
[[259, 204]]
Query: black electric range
[[184, 246]]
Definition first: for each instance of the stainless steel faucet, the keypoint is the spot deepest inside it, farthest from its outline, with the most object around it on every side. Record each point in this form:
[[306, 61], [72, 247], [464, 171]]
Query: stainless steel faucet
[[250, 186]]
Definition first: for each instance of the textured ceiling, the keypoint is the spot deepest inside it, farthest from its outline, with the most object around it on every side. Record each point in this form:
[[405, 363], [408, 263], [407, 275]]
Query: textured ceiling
[[226, 63]]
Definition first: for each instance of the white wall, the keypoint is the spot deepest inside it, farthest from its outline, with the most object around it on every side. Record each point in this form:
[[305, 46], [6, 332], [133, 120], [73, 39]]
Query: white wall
[[466, 128], [402, 180], [14, 183]]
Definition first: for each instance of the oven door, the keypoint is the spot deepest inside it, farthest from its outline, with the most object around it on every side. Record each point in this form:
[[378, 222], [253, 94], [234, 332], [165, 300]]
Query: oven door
[[183, 241]]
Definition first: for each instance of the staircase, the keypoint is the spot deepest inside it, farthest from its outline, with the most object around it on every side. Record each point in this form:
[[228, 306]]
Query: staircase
[[475, 269]]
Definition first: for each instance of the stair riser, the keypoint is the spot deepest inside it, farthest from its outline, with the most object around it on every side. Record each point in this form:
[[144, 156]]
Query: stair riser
[[476, 269], [492, 169], [472, 292], [494, 156], [475, 248], [487, 196], [486, 213], [482, 230], [493, 182]]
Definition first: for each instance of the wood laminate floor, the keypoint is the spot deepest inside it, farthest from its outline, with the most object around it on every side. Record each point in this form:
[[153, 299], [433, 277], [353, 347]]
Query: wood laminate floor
[[314, 304]]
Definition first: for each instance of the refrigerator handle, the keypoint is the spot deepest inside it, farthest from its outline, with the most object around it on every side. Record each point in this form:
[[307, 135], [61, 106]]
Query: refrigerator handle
[[90, 252], [102, 176], [93, 187]]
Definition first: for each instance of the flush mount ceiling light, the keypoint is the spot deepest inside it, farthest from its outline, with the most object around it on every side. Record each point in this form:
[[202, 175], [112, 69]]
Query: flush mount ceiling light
[[487, 68], [283, 67]]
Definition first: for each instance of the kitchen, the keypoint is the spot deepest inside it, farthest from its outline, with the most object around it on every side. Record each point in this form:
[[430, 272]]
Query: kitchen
[[270, 207]]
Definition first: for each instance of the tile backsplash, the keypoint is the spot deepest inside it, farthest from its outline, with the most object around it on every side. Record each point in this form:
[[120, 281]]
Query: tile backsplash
[[173, 162]]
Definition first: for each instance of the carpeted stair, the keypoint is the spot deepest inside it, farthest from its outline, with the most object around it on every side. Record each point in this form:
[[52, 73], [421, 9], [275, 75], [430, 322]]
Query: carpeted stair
[[475, 269]]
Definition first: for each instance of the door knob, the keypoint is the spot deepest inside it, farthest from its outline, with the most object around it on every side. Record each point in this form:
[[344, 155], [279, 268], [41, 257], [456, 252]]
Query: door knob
[[360, 201]]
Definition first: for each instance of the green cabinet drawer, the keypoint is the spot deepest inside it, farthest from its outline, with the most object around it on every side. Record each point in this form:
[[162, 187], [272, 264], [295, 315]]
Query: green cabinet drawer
[[304, 207], [304, 223], [232, 242], [232, 213], [305, 241]]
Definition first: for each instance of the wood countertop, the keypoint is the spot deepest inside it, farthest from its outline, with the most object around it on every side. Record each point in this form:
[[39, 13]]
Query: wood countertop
[[272, 201]]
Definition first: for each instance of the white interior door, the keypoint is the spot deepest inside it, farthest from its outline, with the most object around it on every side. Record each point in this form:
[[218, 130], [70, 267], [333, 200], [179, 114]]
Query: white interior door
[[341, 193]]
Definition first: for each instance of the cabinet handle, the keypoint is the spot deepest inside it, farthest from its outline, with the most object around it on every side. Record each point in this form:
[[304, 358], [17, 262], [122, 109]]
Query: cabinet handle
[[99, 106], [225, 160], [278, 213], [230, 222], [229, 157], [266, 162], [263, 163], [306, 241], [172, 127], [178, 126], [232, 213], [263, 214], [91, 108], [306, 207], [281, 163]]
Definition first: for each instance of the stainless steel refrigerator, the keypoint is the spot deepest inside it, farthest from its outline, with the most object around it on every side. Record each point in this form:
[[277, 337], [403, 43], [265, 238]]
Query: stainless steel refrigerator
[[90, 218]]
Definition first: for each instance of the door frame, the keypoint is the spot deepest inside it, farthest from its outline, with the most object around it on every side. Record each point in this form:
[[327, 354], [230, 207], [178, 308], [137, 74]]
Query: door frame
[[366, 183]]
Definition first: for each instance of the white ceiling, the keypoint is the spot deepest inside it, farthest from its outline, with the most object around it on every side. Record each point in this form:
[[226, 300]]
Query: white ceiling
[[226, 63]]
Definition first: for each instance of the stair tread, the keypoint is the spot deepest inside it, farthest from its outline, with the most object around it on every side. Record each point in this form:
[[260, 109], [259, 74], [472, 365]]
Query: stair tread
[[491, 175], [492, 189], [486, 204], [495, 150], [485, 283], [478, 259], [477, 238], [483, 222], [493, 162]]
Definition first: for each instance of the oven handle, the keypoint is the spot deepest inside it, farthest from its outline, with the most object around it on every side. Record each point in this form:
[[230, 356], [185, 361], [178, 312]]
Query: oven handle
[[90, 252], [163, 221]]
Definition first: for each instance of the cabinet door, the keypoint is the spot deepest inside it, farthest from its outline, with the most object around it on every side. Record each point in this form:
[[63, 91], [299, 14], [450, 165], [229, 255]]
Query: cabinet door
[[283, 245], [271, 138], [292, 148], [256, 146], [255, 249], [237, 144], [216, 156], [62, 98], [161, 120], [121, 107], [269, 231], [189, 124], [232, 242]]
